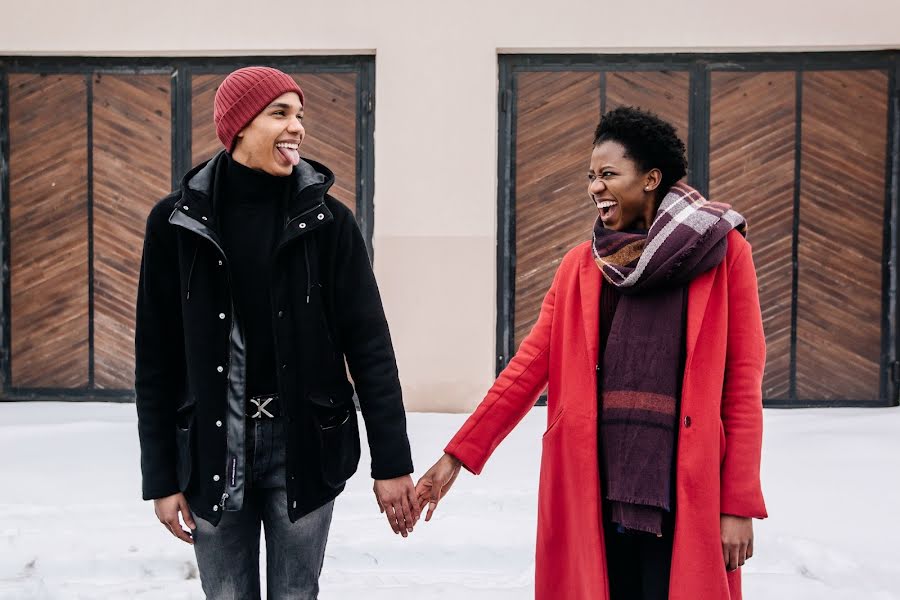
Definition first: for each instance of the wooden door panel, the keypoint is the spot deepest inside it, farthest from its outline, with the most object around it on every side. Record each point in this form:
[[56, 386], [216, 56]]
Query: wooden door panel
[[844, 127], [48, 230], [132, 171], [751, 166], [557, 115]]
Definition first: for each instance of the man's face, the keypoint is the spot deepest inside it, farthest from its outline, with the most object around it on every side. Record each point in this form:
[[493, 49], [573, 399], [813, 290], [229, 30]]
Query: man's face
[[270, 142]]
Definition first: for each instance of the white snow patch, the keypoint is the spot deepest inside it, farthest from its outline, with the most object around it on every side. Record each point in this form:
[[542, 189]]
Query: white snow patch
[[72, 524]]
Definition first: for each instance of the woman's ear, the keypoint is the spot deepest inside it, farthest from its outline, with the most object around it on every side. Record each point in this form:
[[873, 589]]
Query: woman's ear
[[652, 180]]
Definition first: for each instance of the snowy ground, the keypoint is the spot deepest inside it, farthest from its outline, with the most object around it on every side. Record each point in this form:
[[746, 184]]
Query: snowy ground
[[72, 524]]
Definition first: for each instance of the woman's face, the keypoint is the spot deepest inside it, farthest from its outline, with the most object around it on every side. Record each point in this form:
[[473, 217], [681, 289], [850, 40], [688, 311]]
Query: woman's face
[[625, 196]]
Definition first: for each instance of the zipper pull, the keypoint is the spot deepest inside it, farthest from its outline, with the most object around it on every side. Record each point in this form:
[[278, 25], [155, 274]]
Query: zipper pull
[[222, 501]]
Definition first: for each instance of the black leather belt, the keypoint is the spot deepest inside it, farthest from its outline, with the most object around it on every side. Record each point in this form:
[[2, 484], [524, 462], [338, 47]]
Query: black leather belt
[[266, 406]]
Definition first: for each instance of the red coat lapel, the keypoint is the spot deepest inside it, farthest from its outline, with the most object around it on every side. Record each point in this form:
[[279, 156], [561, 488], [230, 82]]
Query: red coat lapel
[[698, 297], [589, 279]]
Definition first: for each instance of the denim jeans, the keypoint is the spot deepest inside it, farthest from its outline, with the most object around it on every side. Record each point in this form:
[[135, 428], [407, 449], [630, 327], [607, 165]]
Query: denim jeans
[[228, 555]]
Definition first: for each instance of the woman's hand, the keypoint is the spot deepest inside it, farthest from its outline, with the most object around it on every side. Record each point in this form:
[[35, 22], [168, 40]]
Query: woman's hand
[[436, 482], [737, 540]]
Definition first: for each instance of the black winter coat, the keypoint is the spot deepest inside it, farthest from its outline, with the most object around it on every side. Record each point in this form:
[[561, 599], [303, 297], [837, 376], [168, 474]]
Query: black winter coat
[[189, 374]]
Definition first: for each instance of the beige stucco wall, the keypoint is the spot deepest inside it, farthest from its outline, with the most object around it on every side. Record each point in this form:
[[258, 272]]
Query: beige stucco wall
[[436, 116]]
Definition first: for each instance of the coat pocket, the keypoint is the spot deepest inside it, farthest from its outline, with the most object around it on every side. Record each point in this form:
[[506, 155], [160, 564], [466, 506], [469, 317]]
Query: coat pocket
[[338, 432], [722, 443], [554, 420], [184, 454]]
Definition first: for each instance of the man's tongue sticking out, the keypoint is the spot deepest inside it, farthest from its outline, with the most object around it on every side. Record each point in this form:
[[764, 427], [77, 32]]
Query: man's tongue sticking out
[[290, 155]]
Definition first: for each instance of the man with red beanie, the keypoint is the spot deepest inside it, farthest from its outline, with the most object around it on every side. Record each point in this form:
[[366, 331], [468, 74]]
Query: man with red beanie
[[256, 295]]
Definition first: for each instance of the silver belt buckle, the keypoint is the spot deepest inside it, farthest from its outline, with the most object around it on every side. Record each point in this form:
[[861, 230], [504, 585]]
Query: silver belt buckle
[[261, 403]]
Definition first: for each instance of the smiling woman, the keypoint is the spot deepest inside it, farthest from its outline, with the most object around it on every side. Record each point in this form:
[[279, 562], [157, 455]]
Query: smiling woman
[[638, 496]]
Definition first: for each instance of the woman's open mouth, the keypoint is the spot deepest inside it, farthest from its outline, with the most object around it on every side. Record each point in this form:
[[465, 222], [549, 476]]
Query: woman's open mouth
[[607, 209]]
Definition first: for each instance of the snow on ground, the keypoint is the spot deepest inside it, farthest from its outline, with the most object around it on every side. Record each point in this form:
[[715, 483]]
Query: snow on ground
[[72, 524]]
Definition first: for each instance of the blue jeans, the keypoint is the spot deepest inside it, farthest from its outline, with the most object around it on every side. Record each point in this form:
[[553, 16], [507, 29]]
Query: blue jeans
[[228, 555]]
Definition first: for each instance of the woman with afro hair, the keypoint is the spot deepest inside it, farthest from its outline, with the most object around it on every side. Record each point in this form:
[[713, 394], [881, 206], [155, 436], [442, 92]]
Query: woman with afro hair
[[650, 345]]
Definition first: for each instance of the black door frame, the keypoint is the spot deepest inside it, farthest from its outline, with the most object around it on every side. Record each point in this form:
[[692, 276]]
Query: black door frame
[[180, 70], [700, 67]]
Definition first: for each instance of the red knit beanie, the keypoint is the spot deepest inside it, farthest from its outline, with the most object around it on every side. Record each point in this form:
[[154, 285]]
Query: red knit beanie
[[243, 95]]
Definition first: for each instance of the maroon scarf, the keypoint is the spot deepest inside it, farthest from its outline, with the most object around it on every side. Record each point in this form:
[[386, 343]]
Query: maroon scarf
[[642, 362]]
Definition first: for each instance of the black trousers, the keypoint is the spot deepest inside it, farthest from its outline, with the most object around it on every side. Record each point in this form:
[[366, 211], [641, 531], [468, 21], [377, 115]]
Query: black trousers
[[637, 564]]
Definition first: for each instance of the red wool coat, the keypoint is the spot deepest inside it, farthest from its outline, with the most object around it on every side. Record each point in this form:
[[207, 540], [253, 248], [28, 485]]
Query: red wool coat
[[719, 436]]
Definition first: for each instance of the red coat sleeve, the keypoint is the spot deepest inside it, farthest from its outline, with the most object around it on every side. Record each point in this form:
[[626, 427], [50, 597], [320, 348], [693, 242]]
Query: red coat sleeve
[[741, 493], [512, 395]]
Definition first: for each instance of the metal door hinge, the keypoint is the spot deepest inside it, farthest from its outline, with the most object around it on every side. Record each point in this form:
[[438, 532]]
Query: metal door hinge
[[505, 98]]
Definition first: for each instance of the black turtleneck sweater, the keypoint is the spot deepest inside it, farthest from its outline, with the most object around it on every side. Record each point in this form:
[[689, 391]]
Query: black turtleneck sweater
[[249, 211]]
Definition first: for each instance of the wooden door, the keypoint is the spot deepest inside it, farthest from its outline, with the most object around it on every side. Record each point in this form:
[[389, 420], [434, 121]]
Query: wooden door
[[800, 145], [91, 148]]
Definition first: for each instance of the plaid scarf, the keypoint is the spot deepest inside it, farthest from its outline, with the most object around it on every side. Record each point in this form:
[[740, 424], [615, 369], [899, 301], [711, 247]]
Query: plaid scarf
[[642, 363]]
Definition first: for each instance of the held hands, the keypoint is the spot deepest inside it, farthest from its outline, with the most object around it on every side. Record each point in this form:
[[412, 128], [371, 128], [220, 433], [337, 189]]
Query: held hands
[[167, 510], [737, 540], [436, 482], [397, 501]]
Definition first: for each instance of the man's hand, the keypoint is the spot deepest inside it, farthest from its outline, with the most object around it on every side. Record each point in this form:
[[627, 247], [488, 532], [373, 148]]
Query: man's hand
[[737, 540], [436, 482], [397, 500], [167, 510]]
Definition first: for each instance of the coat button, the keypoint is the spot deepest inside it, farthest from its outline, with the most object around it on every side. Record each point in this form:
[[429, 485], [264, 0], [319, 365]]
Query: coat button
[[218, 423], [204, 218], [220, 263], [215, 477], [220, 368], [295, 504], [215, 508], [185, 207], [320, 216], [221, 315], [687, 421], [302, 225], [284, 366], [280, 314]]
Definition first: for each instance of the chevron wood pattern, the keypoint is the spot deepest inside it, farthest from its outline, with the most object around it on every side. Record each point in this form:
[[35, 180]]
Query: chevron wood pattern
[[48, 230], [330, 122], [204, 143], [557, 114], [752, 168], [665, 93], [844, 140], [329, 118], [132, 166]]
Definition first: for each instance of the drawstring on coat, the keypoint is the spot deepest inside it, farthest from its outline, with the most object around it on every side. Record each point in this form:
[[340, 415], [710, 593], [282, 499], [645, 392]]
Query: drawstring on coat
[[191, 270], [308, 272]]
